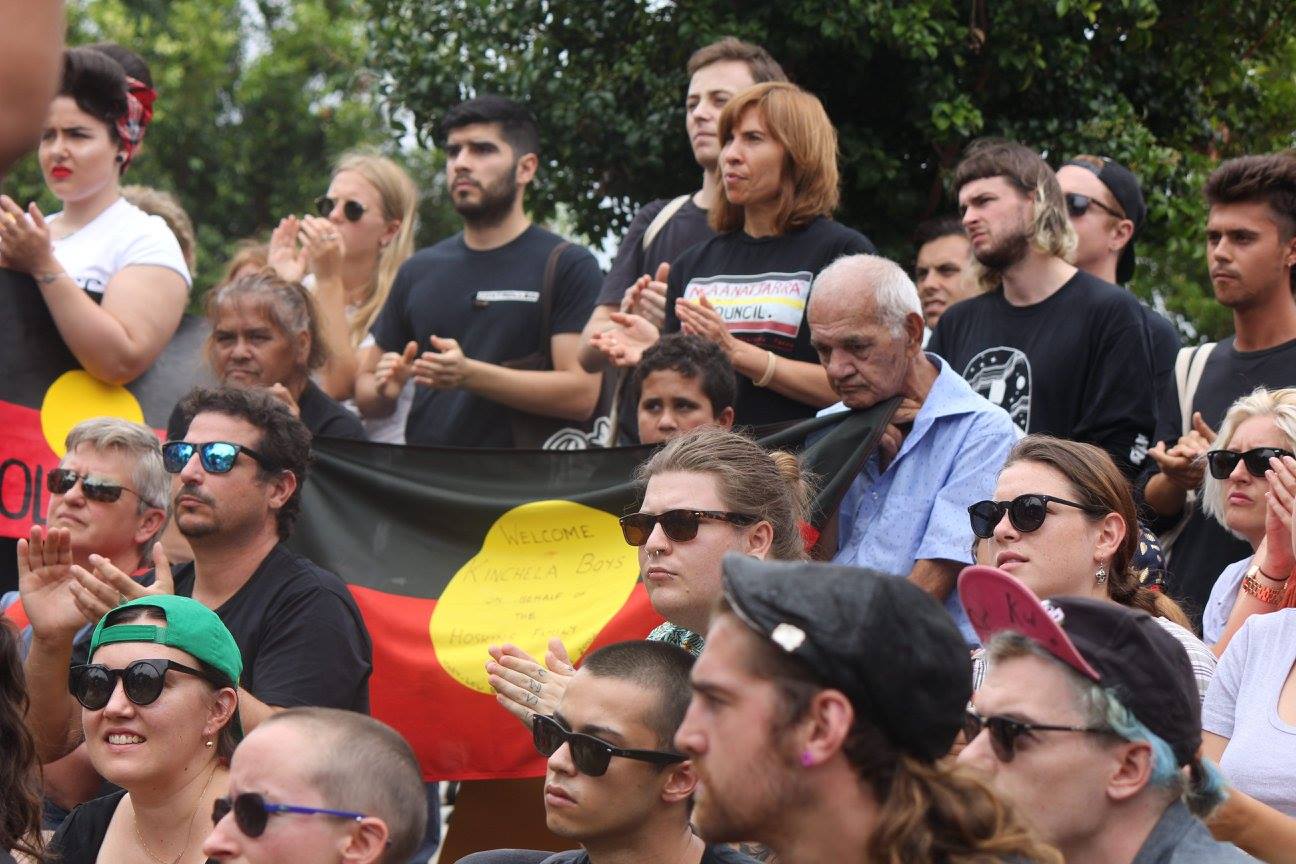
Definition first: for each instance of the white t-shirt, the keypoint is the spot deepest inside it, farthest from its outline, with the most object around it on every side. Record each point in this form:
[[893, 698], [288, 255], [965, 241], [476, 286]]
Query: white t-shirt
[[1242, 706], [121, 236], [1222, 598]]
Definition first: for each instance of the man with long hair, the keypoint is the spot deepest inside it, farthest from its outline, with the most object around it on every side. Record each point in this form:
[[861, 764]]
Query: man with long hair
[[822, 702], [1059, 349]]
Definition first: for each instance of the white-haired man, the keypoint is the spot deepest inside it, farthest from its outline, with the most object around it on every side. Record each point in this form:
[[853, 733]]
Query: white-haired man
[[906, 512]]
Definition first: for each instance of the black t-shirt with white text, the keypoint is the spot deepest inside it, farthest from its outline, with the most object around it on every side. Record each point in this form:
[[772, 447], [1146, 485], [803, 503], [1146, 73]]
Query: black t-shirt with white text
[[1205, 547], [761, 287], [1077, 364], [489, 302], [300, 632]]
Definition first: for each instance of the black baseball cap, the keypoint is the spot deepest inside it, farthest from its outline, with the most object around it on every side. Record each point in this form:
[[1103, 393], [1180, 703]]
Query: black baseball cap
[[886, 644], [1124, 650], [1125, 188]]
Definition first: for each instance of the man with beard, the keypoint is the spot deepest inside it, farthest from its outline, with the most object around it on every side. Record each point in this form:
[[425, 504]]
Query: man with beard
[[1060, 350], [466, 316], [241, 467], [823, 703]]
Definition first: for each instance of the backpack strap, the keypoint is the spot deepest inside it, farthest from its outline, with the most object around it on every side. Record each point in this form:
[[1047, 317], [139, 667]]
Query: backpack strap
[[663, 216], [547, 291], [1189, 366]]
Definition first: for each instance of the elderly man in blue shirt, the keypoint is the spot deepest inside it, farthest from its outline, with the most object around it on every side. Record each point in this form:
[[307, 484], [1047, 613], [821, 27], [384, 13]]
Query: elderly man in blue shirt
[[906, 512]]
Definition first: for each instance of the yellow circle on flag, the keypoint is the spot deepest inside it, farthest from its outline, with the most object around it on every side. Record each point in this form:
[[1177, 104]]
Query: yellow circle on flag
[[77, 395], [546, 568]]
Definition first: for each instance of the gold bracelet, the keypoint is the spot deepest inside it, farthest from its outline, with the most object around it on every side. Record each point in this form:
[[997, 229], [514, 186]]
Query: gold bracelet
[[769, 370], [1270, 596]]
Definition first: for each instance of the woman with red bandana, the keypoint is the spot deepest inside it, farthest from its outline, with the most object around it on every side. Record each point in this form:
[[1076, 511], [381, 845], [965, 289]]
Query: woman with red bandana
[[113, 277]]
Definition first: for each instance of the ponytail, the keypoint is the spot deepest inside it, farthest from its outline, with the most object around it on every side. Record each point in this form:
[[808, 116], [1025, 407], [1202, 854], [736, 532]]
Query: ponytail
[[1126, 590]]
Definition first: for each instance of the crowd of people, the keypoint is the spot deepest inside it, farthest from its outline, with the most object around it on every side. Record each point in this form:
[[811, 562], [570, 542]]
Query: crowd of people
[[1051, 618]]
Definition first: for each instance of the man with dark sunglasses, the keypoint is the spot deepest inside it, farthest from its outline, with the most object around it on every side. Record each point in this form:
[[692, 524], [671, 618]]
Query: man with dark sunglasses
[[1088, 721], [1107, 210], [1062, 351], [239, 469], [108, 498], [320, 786], [615, 782], [1251, 254]]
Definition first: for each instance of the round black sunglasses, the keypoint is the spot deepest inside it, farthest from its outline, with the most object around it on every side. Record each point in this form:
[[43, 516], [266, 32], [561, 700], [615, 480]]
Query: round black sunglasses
[[92, 684], [353, 210], [1025, 512]]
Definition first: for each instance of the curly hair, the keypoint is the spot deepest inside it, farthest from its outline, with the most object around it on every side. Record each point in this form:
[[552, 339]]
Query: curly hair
[[285, 441], [20, 781]]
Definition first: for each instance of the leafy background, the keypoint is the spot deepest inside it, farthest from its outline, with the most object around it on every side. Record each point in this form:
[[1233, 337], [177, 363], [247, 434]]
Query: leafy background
[[259, 97]]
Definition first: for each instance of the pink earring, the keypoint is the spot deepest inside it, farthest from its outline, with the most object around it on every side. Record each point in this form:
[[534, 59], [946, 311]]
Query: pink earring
[[806, 759]]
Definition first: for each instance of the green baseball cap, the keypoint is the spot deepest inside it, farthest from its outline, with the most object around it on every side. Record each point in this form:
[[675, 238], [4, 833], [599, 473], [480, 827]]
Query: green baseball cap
[[190, 626]]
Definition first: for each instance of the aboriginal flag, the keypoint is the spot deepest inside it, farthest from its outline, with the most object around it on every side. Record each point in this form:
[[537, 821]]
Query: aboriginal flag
[[44, 393], [448, 551]]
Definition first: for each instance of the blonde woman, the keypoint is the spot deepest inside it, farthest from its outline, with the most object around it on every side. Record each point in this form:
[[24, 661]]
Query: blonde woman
[[349, 255]]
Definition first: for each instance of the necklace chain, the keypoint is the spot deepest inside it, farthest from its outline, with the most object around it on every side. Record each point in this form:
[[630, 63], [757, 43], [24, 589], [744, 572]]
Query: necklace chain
[[184, 847]]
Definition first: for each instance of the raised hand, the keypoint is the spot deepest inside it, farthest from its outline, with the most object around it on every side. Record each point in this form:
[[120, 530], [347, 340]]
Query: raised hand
[[393, 370], [105, 588], [524, 687], [288, 258], [323, 247], [647, 296], [1280, 557], [24, 237], [282, 393], [1184, 464], [624, 344], [44, 583]]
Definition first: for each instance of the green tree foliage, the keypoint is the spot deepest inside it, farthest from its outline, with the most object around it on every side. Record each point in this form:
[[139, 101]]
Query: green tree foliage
[[1169, 88], [256, 99]]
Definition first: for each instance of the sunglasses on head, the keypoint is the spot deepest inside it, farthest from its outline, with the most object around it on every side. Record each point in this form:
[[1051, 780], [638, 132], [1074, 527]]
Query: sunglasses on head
[[1025, 512], [1004, 732], [93, 683], [353, 210], [252, 812], [216, 457], [1222, 462], [1078, 205], [678, 525], [590, 755], [61, 480]]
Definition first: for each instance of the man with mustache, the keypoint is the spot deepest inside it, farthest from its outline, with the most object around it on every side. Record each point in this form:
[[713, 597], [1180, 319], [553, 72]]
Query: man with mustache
[[1251, 251], [241, 467], [487, 322], [1060, 350]]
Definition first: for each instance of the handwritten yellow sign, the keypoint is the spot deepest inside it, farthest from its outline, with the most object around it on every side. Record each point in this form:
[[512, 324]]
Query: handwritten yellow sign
[[546, 568]]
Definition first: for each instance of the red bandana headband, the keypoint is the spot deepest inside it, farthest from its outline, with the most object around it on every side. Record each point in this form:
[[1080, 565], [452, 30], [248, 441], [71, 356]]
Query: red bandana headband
[[139, 112]]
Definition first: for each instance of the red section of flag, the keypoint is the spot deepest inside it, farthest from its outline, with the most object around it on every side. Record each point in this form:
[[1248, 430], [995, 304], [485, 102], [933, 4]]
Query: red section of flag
[[25, 459], [457, 733]]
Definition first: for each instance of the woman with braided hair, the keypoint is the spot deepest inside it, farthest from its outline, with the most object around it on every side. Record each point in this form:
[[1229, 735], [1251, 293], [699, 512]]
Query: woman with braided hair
[[113, 277]]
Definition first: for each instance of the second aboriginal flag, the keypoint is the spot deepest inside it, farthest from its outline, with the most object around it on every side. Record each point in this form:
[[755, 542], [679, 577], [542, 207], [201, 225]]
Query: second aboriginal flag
[[449, 551]]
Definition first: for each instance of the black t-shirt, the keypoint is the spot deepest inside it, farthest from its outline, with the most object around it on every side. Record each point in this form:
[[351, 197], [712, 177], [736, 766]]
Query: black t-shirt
[[1165, 348], [761, 285], [1205, 547], [300, 632], [489, 302], [326, 417], [687, 227], [717, 853], [1077, 364], [323, 415], [78, 839]]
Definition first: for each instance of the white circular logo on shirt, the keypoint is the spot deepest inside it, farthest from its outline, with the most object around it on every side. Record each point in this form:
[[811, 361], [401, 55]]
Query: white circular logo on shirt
[[1003, 376]]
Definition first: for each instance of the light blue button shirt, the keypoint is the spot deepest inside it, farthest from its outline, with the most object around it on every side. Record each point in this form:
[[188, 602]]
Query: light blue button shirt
[[917, 508]]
